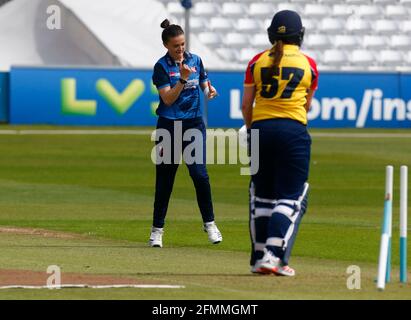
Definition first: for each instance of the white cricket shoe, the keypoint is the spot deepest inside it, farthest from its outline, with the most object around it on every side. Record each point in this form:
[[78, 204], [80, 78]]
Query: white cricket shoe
[[255, 268], [269, 263], [285, 271], [214, 235], [156, 237]]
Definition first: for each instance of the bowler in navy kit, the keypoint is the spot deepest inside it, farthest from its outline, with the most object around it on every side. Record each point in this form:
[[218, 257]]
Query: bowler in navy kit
[[179, 76], [167, 74]]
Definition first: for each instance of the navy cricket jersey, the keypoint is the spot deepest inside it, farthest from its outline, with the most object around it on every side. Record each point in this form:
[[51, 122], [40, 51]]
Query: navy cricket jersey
[[167, 73]]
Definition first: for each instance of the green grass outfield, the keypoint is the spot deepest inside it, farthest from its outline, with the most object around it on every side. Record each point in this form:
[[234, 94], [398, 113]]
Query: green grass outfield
[[101, 187]]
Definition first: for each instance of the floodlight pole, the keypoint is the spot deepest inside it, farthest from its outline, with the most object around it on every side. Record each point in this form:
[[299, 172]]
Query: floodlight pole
[[187, 28], [187, 5]]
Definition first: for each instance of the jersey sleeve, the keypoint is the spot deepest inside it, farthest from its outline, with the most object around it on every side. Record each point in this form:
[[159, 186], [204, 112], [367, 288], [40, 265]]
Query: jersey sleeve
[[249, 73], [160, 77], [203, 73], [314, 73]]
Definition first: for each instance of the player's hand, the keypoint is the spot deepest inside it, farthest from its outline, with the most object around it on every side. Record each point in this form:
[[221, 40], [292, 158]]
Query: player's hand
[[212, 92], [185, 71]]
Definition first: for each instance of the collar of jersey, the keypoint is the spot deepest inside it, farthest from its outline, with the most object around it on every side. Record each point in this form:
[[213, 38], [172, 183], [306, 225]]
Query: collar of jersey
[[171, 62]]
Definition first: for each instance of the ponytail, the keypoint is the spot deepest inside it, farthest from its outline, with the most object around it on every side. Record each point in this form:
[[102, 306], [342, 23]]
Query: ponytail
[[276, 53]]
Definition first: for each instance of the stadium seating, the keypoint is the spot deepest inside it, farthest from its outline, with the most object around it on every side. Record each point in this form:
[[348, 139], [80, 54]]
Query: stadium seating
[[205, 9], [385, 26], [198, 24], [318, 41], [396, 12], [260, 10], [374, 42], [259, 40], [406, 27], [233, 10], [334, 57], [356, 25], [309, 24], [330, 25], [390, 57], [345, 41], [340, 34], [175, 9], [362, 57], [316, 10], [382, 2], [228, 54], [369, 11], [211, 39], [237, 40], [341, 10], [289, 6], [357, 2], [248, 25], [400, 42], [220, 24]]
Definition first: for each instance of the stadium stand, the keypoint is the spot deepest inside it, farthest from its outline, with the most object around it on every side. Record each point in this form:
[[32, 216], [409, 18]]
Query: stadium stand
[[96, 32], [363, 35]]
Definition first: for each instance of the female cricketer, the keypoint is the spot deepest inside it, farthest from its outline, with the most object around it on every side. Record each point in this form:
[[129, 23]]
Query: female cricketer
[[178, 76], [281, 82]]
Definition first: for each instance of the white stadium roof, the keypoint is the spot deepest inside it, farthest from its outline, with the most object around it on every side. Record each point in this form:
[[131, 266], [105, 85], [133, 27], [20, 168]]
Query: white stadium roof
[[94, 32]]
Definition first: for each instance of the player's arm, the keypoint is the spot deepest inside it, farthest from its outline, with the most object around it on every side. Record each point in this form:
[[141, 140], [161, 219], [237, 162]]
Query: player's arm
[[170, 95], [310, 95], [314, 83], [249, 94], [208, 89], [247, 105]]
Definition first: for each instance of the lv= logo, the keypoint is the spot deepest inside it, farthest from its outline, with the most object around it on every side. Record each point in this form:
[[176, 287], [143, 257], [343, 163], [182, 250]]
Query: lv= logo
[[121, 102]]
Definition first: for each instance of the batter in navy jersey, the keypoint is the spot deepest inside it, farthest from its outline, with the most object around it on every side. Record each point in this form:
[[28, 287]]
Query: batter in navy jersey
[[179, 76]]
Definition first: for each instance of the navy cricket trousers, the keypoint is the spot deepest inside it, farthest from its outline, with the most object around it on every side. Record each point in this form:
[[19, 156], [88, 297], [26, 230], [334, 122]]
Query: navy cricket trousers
[[165, 173], [283, 159]]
